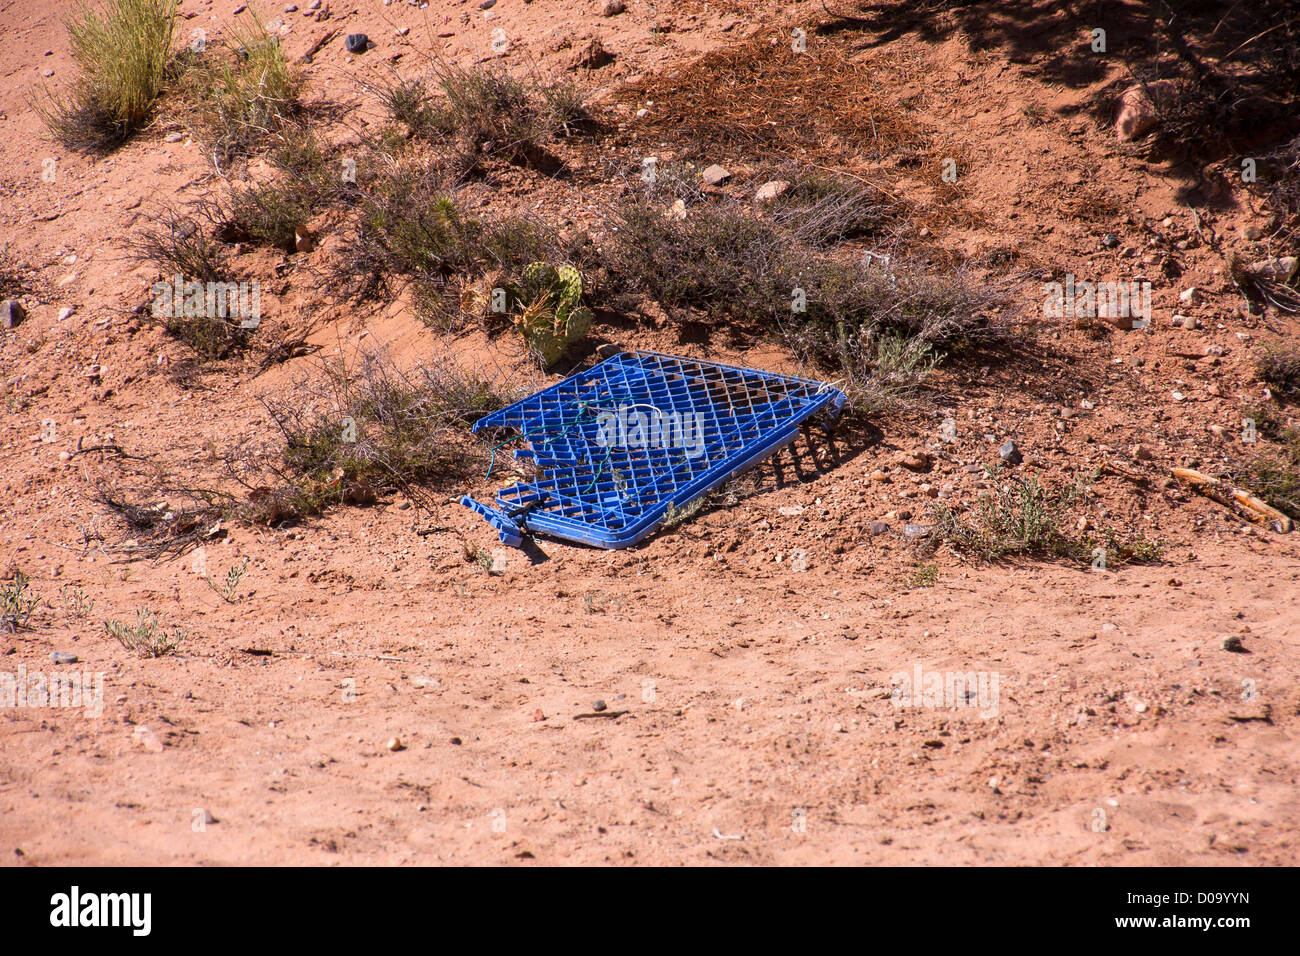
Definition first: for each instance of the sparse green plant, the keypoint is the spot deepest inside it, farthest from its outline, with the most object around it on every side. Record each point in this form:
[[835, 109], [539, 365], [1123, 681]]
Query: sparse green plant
[[1273, 473], [18, 601], [408, 101], [1025, 517], [122, 49], [146, 638], [1020, 517], [924, 576], [674, 515], [856, 320], [269, 214], [76, 603], [479, 555], [229, 587]]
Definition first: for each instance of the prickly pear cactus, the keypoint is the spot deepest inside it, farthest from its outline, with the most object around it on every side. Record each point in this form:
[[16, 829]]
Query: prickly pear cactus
[[552, 315]]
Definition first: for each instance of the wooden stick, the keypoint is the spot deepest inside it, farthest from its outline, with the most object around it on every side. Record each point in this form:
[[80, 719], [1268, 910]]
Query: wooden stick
[[1224, 493], [315, 47]]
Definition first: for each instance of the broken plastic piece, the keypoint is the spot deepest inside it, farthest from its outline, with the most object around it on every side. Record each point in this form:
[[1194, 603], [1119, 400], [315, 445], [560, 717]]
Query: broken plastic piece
[[618, 445]]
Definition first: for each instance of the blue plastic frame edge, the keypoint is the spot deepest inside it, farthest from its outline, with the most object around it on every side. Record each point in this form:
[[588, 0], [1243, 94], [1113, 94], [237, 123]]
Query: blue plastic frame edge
[[511, 531]]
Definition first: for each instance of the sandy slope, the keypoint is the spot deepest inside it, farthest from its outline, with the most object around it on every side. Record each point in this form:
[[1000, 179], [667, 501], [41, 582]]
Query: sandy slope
[[748, 716]]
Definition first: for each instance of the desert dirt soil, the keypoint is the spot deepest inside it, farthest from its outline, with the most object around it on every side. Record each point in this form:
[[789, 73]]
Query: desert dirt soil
[[722, 692]]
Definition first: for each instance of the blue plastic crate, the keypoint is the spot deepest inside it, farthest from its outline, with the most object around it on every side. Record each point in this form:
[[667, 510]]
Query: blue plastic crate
[[618, 444]]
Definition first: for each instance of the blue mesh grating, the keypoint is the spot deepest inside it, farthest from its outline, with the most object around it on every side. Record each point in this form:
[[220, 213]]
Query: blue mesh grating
[[616, 445]]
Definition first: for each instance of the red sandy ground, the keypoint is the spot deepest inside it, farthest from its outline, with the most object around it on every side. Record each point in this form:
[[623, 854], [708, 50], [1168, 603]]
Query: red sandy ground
[[748, 716]]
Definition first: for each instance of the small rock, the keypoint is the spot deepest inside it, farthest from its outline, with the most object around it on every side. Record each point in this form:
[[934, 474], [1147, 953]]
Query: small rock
[[394, 744], [1232, 643], [291, 8], [206, 817], [11, 313], [356, 42], [791, 510], [591, 56], [598, 706], [771, 190], [1253, 232], [1137, 113], [1279, 270], [303, 240], [65, 312], [60, 657], [487, 4], [1188, 296], [916, 530], [1218, 431], [714, 175], [879, 527], [1141, 453], [403, 31], [1110, 240], [147, 739], [613, 8], [174, 137], [1009, 452], [918, 459], [678, 209], [878, 475]]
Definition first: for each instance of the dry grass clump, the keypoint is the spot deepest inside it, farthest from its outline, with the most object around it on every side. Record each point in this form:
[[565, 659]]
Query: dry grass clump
[[160, 518], [1278, 365], [877, 324], [350, 435], [480, 112], [760, 97], [411, 228], [122, 49], [177, 242], [237, 96], [824, 208]]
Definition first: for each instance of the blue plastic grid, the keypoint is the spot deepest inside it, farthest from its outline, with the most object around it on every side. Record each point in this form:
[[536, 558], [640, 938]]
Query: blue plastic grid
[[618, 444]]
